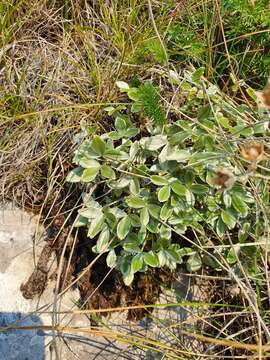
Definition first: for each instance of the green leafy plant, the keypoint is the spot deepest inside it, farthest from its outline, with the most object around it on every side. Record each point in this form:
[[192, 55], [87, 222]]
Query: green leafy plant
[[161, 192], [198, 39]]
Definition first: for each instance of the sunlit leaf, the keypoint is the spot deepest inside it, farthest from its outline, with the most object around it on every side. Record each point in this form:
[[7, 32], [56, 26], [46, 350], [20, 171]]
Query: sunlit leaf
[[111, 259], [103, 239], [228, 219], [137, 263], [159, 180], [135, 202], [144, 216], [122, 85], [96, 226], [98, 145], [164, 193], [151, 259], [123, 227], [90, 174], [134, 186], [179, 188], [107, 172], [239, 204], [75, 175], [155, 142]]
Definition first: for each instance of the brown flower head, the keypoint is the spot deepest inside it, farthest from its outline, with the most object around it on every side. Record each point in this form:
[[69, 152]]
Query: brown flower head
[[263, 97], [252, 151], [224, 178]]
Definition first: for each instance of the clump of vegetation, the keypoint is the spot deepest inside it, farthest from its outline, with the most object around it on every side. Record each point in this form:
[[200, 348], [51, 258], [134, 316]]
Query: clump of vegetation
[[227, 37], [173, 168], [162, 193]]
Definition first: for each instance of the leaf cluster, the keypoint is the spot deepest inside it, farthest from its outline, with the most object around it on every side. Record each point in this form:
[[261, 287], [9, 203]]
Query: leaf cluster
[[183, 177]]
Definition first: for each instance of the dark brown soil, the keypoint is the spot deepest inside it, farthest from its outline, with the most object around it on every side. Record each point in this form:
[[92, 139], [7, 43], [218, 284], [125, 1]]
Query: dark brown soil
[[96, 293]]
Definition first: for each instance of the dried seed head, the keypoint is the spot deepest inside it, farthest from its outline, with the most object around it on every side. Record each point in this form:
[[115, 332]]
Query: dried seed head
[[224, 178], [263, 97], [234, 290], [252, 151]]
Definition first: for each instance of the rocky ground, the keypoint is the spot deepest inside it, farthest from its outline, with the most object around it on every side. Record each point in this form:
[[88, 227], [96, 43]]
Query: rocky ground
[[21, 242]]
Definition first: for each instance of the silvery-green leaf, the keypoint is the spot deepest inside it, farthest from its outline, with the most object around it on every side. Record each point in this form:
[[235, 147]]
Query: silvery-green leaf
[[133, 151], [88, 163], [144, 216], [194, 263], [131, 132], [159, 180], [199, 189], [109, 109], [154, 143], [162, 257], [90, 213], [103, 240], [166, 211], [107, 172], [220, 227], [115, 154], [151, 259], [80, 221], [133, 94], [185, 251], [131, 246], [96, 226], [75, 175], [179, 188], [165, 232], [134, 186], [85, 150], [135, 202], [128, 278], [120, 183], [114, 135], [179, 155], [98, 145], [90, 202], [233, 254], [154, 210], [206, 157], [135, 220], [228, 219], [239, 205], [153, 226], [198, 73], [122, 85], [244, 232], [190, 198], [124, 265], [136, 107], [90, 174], [111, 259], [120, 123], [179, 137], [142, 234], [164, 193], [118, 213], [137, 263], [123, 227], [163, 155], [173, 256]]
